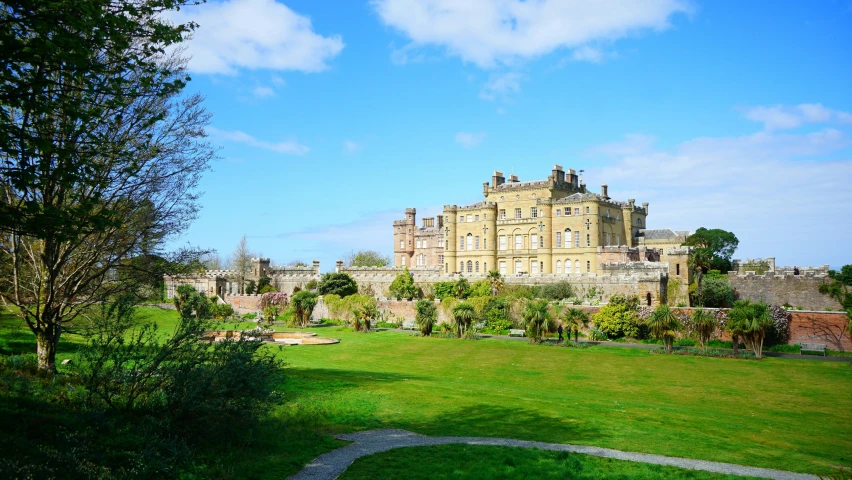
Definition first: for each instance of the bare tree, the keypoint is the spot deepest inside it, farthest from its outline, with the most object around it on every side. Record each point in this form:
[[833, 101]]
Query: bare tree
[[212, 261], [366, 258], [100, 156], [240, 262]]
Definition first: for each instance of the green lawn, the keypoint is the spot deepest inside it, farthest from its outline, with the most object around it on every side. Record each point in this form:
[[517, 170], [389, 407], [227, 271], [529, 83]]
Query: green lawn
[[475, 461], [776, 413]]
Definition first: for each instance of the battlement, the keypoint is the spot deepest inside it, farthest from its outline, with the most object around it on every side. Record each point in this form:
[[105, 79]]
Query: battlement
[[679, 250], [785, 275]]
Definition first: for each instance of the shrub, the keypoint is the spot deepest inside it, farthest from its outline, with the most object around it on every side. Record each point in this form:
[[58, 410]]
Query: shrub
[[337, 283], [520, 291], [481, 288], [270, 299], [463, 315], [343, 308], [750, 321], [442, 290], [267, 289], [597, 335], [784, 348], [461, 289], [221, 310], [537, 319], [715, 290], [575, 319], [663, 325], [618, 318], [303, 306], [264, 284], [311, 285], [556, 291], [364, 314], [403, 286], [251, 287], [779, 332]]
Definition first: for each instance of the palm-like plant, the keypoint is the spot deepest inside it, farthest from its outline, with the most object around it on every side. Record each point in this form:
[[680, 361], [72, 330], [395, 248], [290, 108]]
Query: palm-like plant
[[363, 316], [575, 319], [663, 325], [303, 304], [427, 315], [750, 321], [701, 259], [536, 317], [496, 282], [463, 315], [705, 324]]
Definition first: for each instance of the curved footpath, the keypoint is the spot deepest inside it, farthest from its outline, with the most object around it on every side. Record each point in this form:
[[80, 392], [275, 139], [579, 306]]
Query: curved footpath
[[330, 465]]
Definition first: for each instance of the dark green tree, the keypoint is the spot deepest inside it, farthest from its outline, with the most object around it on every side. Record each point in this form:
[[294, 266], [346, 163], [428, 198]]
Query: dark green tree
[[719, 244], [100, 153], [337, 283], [427, 315], [403, 286]]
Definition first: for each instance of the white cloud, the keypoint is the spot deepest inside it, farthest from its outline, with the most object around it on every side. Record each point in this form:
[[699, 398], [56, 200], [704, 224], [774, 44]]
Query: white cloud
[[490, 32], [779, 193], [278, 81], [783, 117], [288, 147], [470, 139], [254, 34], [588, 54], [263, 92], [351, 147], [501, 86]]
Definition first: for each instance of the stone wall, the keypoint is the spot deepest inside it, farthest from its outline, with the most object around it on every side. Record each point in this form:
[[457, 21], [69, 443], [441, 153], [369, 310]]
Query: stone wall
[[796, 290], [244, 303]]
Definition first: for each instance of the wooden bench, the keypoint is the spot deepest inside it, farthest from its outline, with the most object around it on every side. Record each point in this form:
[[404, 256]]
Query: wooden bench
[[409, 325], [812, 347], [516, 332]]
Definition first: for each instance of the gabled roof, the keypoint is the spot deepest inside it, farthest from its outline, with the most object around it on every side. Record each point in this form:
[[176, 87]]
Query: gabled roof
[[662, 234]]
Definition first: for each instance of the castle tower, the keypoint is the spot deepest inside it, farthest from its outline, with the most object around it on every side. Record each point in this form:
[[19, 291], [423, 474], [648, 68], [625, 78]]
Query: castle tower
[[403, 239], [450, 240]]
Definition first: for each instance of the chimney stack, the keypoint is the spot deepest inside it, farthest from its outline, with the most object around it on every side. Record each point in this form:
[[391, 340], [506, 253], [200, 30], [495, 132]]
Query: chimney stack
[[513, 178], [498, 179], [604, 192], [440, 221], [645, 206], [558, 174]]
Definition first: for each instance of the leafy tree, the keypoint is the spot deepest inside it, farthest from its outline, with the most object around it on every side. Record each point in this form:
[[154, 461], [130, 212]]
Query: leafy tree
[[705, 324], [337, 283], [715, 292], [463, 316], [839, 290], [240, 262], [575, 319], [264, 282], [663, 325], [700, 261], [496, 282], [719, 244], [536, 318], [251, 287], [618, 318], [100, 154], [750, 321], [303, 303], [556, 291], [297, 263], [442, 290], [427, 316], [403, 286], [844, 276], [367, 258], [481, 288]]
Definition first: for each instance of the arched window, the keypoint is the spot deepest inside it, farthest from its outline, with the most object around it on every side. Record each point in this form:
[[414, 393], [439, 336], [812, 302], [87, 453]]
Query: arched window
[[648, 297], [577, 266], [461, 266], [568, 266], [470, 241], [567, 238], [469, 266], [559, 266], [476, 266]]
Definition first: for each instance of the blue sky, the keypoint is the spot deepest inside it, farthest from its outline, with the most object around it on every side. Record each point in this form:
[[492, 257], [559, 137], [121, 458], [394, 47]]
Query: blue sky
[[334, 116]]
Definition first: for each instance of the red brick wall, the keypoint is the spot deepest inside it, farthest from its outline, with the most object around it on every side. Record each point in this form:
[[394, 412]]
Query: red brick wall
[[820, 327]]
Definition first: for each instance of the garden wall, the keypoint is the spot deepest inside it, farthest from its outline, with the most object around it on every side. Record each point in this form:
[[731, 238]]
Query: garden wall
[[795, 290], [244, 303]]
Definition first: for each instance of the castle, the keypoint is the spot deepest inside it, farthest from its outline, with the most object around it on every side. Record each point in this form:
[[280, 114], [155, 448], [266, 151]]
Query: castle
[[553, 226]]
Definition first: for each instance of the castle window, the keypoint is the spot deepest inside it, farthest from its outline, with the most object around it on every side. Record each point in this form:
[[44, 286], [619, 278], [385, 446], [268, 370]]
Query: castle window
[[577, 266], [677, 267], [418, 243], [440, 243], [476, 218], [485, 216], [476, 267], [461, 266], [502, 214], [618, 239], [517, 213], [409, 243], [403, 260], [517, 197], [470, 218], [409, 231], [587, 210], [476, 242], [568, 212], [534, 241], [485, 243], [588, 224], [559, 266], [606, 238], [502, 268], [576, 211], [558, 212], [447, 268], [461, 219], [518, 266], [425, 243], [441, 260], [402, 244], [588, 240], [469, 266], [461, 242], [588, 266], [558, 239], [533, 195], [533, 212], [568, 238], [577, 243], [534, 267], [469, 241], [519, 242], [502, 242], [568, 266]]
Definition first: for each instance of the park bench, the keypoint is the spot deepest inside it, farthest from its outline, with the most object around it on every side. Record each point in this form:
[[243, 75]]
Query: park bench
[[516, 332], [812, 347], [409, 325]]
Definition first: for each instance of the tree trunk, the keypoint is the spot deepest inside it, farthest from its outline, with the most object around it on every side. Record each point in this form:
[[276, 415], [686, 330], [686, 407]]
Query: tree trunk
[[46, 343], [700, 299], [735, 344], [576, 333]]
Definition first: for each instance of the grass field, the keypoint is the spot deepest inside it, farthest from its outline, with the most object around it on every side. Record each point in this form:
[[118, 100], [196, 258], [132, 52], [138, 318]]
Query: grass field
[[776, 413], [474, 461]]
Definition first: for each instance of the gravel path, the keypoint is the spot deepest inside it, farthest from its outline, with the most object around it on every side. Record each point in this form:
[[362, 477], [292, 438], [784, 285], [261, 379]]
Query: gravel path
[[330, 465]]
